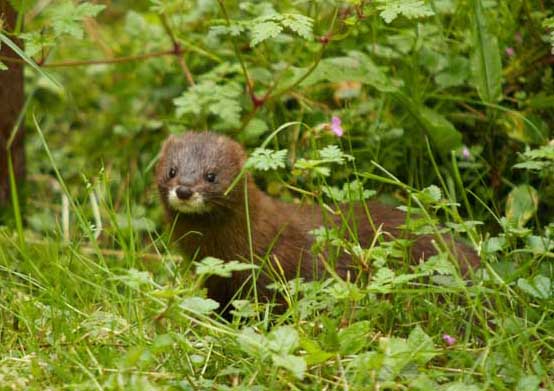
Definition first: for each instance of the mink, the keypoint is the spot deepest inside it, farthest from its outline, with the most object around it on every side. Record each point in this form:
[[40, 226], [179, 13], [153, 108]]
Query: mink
[[193, 174]]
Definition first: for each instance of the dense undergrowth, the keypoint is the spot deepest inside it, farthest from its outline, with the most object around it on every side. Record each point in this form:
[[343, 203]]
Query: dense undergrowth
[[444, 107]]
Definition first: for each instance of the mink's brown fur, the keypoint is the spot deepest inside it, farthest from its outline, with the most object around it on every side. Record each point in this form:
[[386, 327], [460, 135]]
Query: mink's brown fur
[[278, 228]]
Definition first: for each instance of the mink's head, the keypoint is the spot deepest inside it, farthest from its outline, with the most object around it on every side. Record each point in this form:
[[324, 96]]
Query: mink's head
[[196, 169]]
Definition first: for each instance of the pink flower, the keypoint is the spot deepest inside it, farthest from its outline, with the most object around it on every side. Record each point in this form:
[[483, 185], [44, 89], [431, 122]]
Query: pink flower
[[466, 153], [449, 340], [336, 126], [510, 52]]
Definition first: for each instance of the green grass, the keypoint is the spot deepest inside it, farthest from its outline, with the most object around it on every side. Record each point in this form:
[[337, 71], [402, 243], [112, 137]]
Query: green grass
[[125, 312], [92, 295]]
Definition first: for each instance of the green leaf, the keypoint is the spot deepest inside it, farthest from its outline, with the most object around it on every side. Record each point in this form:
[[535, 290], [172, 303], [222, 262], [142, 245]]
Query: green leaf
[[540, 287], [333, 154], [35, 42], [353, 191], [213, 266], [455, 74], [441, 131], [253, 131], [521, 205], [494, 244], [199, 305], [296, 365], [67, 18], [540, 244], [283, 340], [351, 339], [208, 97], [461, 387], [264, 30], [421, 346], [135, 278], [411, 9], [3, 66], [532, 165], [253, 343], [548, 23], [315, 355], [486, 63], [439, 264], [430, 195], [300, 24], [357, 66], [266, 159], [528, 383]]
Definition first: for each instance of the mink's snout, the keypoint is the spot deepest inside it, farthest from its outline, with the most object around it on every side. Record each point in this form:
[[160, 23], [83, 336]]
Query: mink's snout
[[183, 192]]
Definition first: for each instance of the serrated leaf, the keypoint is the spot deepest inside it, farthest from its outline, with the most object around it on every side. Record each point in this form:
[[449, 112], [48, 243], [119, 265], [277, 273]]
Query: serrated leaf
[[333, 154], [422, 347], [67, 17], [494, 244], [208, 97], [351, 339], [199, 305], [283, 340], [439, 264], [264, 30], [430, 195], [411, 9], [218, 267], [300, 24], [486, 63], [135, 278], [35, 42], [353, 191], [234, 30], [252, 343], [266, 159], [296, 365]]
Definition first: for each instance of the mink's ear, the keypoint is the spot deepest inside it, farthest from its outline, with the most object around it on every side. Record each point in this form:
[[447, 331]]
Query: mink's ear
[[241, 153], [160, 166]]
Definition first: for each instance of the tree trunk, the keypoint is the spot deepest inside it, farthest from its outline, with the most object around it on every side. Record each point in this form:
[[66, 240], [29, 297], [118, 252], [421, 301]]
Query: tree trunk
[[11, 104]]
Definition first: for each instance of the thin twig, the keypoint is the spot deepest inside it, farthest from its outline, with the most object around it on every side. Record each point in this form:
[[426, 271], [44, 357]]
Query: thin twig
[[77, 63], [178, 51], [249, 84]]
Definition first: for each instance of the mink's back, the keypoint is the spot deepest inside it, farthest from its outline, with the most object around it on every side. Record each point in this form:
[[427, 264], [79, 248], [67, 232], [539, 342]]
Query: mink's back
[[283, 230]]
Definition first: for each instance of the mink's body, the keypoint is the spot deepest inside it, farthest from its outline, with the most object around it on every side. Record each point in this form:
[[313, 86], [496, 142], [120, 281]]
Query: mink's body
[[195, 170]]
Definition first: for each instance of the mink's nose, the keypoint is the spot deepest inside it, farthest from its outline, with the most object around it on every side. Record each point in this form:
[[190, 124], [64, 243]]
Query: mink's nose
[[183, 192]]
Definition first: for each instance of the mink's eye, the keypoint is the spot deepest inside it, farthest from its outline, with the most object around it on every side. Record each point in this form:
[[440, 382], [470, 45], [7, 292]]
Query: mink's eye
[[172, 172], [210, 177]]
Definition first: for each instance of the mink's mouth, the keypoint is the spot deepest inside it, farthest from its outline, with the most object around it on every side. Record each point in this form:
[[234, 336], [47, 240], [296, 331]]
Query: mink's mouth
[[195, 204]]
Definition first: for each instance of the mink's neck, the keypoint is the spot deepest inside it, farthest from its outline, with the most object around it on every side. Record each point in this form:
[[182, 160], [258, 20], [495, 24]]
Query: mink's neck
[[224, 233]]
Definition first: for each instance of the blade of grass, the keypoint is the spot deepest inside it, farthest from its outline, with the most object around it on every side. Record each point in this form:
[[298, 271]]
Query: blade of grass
[[11, 44]]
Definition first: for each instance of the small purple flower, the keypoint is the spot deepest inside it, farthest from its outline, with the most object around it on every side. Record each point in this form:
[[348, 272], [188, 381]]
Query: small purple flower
[[510, 52], [466, 153], [336, 126], [449, 340]]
